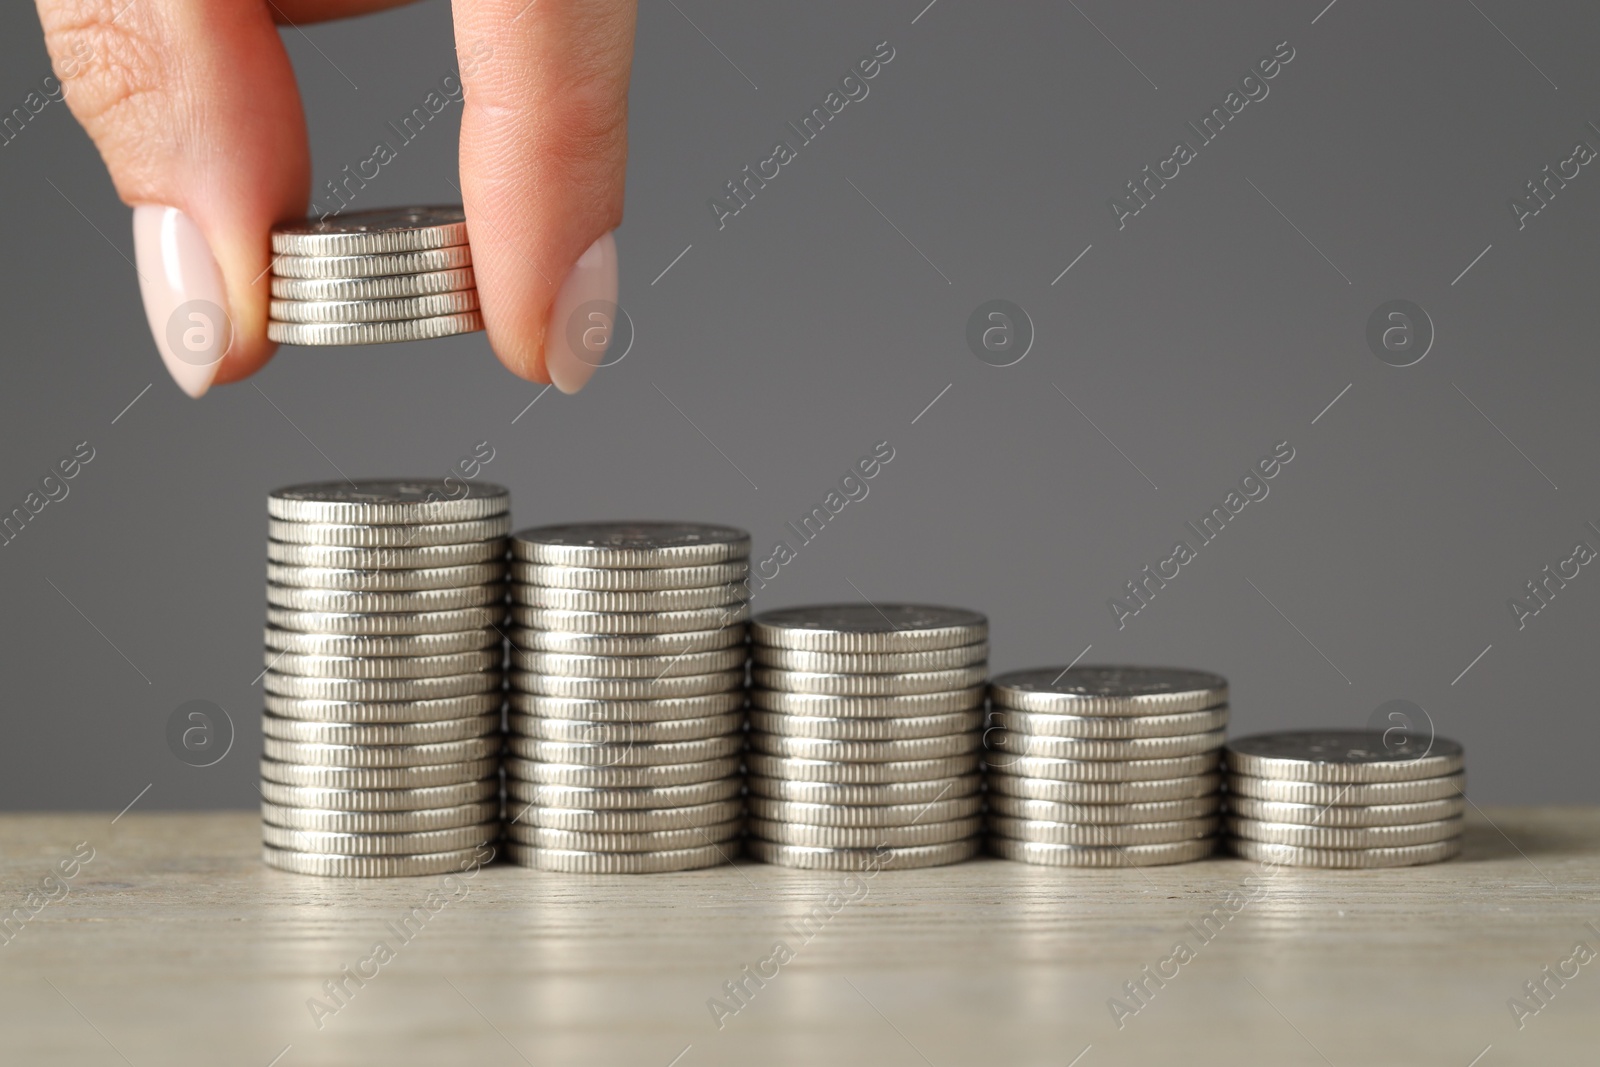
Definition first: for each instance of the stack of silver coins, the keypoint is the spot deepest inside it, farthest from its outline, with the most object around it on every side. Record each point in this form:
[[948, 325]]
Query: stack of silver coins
[[1345, 798], [383, 681], [371, 277], [1105, 766], [865, 728], [627, 696]]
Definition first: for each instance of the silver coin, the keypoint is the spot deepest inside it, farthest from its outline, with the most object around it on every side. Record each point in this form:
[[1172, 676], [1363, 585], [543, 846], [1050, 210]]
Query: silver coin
[[394, 623], [1282, 833], [1104, 814], [625, 733], [647, 820], [572, 862], [823, 748], [620, 579], [1048, 855], [380, 689], [397, 309], [393, 535], [349, 601], [1361, 756], [1110, 727], [526, 640], [377, 778], [372, 333], [1103, 835], [1348, 793], [860, 815], [380, 288], [1346, 858], [397, 711], [823, 706], [626, 688], [593, 710], [567, 665], [864, 685], [483, 659], [378, 231], [380, 822], [378, 646], [370, 800], [389, 844], [399, 733], [941, 659], [858, 628], [367, 559], [860, 859], [1006, 743], [644, 754], [386, 581], [330, 866], [640, 622], [886, 794], [649, 777], [381, 266], [923, 833], [624, 842], [850, 729], [1356, 815], [811, 770], [631, 544], [633, 798], [711, 596], [1140, 792], [1130, 770], [325, 754], [1109, 690]]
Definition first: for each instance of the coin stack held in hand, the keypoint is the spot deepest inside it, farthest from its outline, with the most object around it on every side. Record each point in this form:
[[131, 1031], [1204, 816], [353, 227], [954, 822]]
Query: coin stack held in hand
[[372, 277], [865, 728], [1345, 798], [1105, 766], [383, 682], [627, 696]]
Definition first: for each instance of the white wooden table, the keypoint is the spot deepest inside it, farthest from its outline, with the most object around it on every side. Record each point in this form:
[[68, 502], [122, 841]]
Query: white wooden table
[[175, 946]]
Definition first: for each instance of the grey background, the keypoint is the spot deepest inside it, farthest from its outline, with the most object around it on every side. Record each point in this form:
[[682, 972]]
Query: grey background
[[809, 328]]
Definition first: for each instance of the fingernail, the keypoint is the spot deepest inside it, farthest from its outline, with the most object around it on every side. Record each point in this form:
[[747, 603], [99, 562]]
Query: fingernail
[[184, 297], [583, 317]]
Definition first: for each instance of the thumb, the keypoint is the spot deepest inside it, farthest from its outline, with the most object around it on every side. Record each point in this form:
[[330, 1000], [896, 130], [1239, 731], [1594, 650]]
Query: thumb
[[193, 106], [543, 154]]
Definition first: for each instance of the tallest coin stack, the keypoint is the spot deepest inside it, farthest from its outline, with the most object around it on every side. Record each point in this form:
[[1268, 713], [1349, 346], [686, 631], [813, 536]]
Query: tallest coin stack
[[383, 701]]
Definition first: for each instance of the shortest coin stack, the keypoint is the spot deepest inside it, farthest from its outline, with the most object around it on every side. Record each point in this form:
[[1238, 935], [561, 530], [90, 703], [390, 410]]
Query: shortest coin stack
[[1105, 766], [1344, 798], [865, 731], [382, 688], [371, 277]]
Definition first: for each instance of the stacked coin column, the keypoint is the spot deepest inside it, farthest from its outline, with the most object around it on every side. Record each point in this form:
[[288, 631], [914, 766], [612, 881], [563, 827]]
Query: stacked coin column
[[383, 681], [372, 277], [1345, 798], [627, 703], [866, 725], [1105, 766]]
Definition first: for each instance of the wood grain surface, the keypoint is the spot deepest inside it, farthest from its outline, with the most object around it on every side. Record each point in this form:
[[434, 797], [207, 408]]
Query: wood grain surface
[[173, 945]]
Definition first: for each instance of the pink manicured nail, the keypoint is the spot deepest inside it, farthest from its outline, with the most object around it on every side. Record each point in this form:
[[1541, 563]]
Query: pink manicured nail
[[184, 297], [583, 318]]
